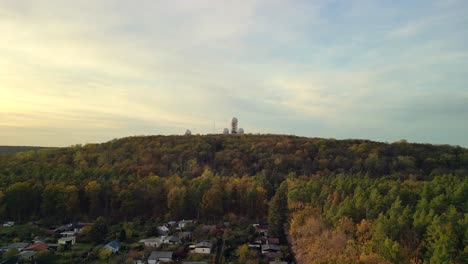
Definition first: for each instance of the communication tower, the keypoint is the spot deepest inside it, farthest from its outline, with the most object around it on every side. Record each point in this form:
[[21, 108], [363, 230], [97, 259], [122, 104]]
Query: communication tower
[[234, 125]]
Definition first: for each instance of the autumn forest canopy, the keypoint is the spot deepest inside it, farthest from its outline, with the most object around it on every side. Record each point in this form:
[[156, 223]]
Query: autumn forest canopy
[[339, 201]]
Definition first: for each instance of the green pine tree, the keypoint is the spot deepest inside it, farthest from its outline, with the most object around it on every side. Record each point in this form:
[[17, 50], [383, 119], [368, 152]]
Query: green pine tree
[[277, 212]]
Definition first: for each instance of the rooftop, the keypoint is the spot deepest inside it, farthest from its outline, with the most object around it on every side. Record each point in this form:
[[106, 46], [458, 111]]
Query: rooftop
[[37, 247], [204, 244], [271, 247], [27, 254], [151, 239], [113, 244], [70, 238], [155, 255], [16, 245]]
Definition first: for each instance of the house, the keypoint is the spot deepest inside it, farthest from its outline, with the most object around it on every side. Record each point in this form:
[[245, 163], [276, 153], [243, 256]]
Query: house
[[171, 240], [27, 255], [157, 257], [270, 248], [273, 240], [52, 246], [256, 244], [261, 229], [63, 228], [41, 246], [182, 224], [39, 239], [67, 233], [151, 242], [163, 230], [114, 246], [67, 241], [272, 251], [261, 240], [18, 246], [9, 224], [202, 248]]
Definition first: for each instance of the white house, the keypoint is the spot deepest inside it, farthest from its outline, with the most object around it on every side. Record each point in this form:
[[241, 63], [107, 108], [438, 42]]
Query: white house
[[151, 242], [71, 240], [202, 248], [157, 257]]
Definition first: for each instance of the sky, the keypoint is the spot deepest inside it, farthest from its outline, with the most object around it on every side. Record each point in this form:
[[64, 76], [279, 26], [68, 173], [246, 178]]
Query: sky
[[76, 72]]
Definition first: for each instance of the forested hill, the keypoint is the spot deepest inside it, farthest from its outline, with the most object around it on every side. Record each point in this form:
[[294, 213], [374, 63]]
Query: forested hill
[[226, 155], [6, 150], [341, 201]]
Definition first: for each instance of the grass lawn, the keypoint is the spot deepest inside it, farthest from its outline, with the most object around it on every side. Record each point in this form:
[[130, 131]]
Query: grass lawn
[[74, 255]]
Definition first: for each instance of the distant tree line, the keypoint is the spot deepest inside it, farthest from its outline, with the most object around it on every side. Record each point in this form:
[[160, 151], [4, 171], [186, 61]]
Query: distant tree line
[[8, 150], [231, 155]]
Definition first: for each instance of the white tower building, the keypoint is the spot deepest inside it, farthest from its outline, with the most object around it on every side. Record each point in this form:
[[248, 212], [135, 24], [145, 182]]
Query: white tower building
[[234, 125]]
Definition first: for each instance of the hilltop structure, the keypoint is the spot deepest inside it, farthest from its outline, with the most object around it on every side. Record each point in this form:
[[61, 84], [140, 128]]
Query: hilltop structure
[[234, 128], [234, 122]]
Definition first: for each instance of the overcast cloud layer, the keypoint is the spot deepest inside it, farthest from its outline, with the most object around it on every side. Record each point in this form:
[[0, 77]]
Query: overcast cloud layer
[[89, 71]]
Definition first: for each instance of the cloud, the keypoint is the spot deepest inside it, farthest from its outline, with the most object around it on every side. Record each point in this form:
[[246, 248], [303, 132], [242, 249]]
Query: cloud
[[103, 69]]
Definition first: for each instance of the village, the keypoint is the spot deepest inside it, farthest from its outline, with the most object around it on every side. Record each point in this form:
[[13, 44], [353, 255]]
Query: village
[[184, 241]]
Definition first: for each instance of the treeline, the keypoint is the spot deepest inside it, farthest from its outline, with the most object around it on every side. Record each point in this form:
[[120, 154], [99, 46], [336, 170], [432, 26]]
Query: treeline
[[231, 155], [7, 150], [173, 198], [357, 219]]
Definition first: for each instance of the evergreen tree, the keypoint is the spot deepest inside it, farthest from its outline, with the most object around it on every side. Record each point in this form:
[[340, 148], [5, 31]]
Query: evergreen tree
[[99, 230], [441, 242], [278, 212]]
